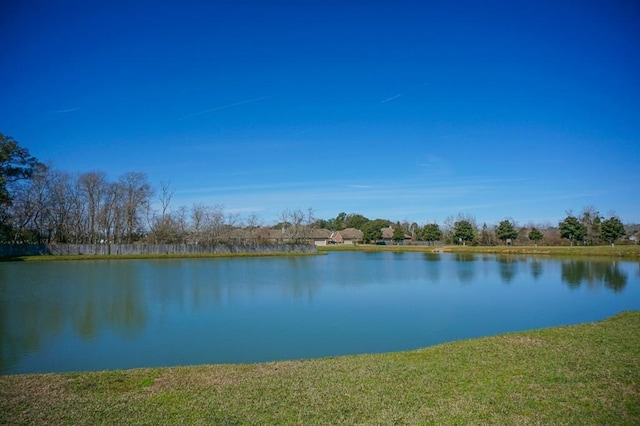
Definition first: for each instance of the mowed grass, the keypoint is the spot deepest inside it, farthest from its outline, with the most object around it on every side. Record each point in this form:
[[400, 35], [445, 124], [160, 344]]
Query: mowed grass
[[625, 251], [55, 258], [631, 252], [584, 374]]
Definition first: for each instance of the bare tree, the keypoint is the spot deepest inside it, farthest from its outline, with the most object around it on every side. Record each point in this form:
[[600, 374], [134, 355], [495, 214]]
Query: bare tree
[[252, 225], [166, 193], [30, 215], [62, 206], [110, 217], [215, 223], [198, 222], [92, 187], [592, 220], [182, 223], [162, 226], [295, 224], [136, 193]]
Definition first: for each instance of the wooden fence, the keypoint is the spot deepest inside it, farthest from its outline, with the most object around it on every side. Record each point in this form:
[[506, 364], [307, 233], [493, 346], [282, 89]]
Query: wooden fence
[[14, 250]]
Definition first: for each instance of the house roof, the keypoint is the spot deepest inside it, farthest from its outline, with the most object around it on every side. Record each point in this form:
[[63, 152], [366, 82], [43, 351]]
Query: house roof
[[351, 234], [387, 233], [320, 233]]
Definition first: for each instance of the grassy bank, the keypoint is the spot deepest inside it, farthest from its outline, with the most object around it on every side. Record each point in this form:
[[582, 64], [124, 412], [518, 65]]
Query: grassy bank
[[584, 374], [45, 258], [626, 251]]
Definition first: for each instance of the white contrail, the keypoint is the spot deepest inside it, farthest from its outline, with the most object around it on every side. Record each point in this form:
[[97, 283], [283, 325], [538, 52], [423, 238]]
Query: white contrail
[[220, 108], [384, 101], [65, 111]]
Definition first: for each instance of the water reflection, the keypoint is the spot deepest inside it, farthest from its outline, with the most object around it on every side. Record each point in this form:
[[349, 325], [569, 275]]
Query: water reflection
[[466, 257], [35, 307], [25, 328], [536, 268], [466, 266], [507, 266], [432, 257], [432, 269], [222, 304], [593, 274]]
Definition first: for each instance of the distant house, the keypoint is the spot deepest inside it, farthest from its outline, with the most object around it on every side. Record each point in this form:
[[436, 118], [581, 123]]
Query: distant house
[[265, 234], [320, 237], [387, 235], [346, 236]]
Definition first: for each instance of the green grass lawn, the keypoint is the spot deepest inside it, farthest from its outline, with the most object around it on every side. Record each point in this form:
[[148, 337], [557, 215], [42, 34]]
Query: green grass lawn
[[626, 251], [622, 251], [44, 258], [584, 374]]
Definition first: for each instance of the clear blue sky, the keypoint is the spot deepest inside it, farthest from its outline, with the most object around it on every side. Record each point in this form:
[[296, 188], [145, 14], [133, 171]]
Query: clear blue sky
[[395, 109]]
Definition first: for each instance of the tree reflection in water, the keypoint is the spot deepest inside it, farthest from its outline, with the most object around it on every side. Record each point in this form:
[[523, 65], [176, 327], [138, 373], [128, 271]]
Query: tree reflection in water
[[88, 303], [508, 267], [593, 274], [283, 307], [536, 269], [466, 267]]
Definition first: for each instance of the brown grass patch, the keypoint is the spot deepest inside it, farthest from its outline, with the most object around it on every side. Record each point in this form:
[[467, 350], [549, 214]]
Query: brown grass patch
[[219, 377], [19, 389], [524, 340]]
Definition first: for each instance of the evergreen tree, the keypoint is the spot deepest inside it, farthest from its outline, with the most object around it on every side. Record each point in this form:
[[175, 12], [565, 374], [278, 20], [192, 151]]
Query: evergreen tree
[[371, 232], [463, 231], [535, 235], [430, 232], [572, 229], [611, 229], [15, 164], [398, 235], [506, 231]]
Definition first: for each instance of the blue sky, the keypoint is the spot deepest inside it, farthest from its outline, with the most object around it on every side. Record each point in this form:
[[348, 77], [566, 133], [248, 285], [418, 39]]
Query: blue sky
[[395, 109]]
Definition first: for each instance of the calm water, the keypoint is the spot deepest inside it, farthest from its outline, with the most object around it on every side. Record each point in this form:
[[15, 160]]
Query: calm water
[[95, 315]]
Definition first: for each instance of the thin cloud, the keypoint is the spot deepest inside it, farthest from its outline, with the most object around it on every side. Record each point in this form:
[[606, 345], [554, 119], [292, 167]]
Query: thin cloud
[[435, 165], [452, 136], [275, 186], [305, 130], [65, 111], [223, 107], [397, 95], [389, 99], [432, 161], [241, 210]]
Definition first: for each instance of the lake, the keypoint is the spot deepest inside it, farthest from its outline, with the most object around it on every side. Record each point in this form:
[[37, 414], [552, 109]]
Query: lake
[[111, 314]]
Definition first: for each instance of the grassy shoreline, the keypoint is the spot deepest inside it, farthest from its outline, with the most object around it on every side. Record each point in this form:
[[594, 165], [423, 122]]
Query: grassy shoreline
[[631, 252], [45, 258], [622, 251], [581, 374]]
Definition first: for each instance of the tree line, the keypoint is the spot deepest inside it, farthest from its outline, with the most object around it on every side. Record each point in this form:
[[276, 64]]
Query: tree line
[[39, 204], [42, 205], [587, 228]]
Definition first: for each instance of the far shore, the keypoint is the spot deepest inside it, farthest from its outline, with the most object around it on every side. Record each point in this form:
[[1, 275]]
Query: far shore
[[155, 256], [621, 251], [629, 252]]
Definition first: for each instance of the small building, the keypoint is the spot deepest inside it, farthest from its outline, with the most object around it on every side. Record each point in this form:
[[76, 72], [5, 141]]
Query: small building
[[387, 236], [346, 236], [320, 237]]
